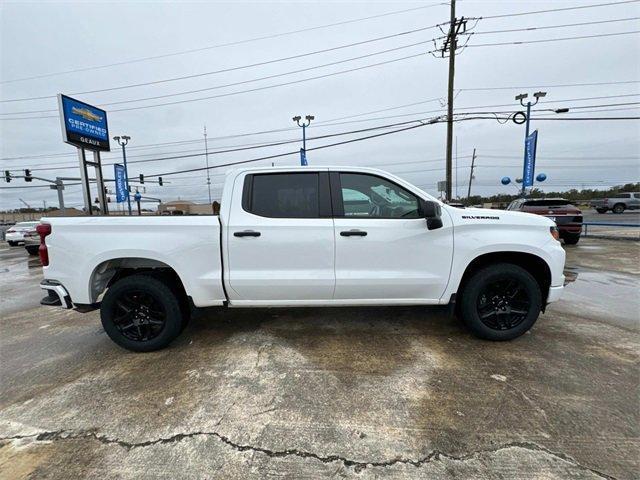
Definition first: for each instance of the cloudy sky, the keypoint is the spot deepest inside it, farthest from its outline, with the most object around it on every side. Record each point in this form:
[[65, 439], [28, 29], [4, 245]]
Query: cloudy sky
[[110, 48]]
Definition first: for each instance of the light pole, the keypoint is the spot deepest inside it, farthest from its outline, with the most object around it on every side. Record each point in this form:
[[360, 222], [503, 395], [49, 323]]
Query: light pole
[[304, 125], [521, 97], [122, 141]]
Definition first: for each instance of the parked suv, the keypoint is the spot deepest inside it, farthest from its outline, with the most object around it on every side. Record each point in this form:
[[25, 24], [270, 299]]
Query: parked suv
[[567, 216], [618, 204]]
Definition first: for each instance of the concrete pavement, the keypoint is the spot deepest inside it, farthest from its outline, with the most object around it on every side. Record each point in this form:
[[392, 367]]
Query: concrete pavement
[[311, 393]]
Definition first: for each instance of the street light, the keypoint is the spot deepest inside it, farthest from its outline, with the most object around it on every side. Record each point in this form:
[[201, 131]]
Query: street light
[[122, 141], [529, 104], [304, 125]]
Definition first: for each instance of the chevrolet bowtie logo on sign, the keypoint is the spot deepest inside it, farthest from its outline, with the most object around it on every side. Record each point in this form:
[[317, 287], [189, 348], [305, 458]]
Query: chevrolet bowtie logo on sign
[[83, 125], [86, 114]]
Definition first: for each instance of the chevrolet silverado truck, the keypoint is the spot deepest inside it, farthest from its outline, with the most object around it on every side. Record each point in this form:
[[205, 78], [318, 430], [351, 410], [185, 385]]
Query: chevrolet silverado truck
[[304, 237]]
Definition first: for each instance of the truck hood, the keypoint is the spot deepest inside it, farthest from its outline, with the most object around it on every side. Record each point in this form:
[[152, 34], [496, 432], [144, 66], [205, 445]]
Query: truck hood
[[485, 216]]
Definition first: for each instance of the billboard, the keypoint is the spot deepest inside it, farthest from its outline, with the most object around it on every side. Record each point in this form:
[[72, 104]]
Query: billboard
[[83, 125], [530, 145], [121, 183]]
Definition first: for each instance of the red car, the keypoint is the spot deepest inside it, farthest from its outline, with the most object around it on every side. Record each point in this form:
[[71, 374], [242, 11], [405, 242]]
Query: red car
[[567, 216]]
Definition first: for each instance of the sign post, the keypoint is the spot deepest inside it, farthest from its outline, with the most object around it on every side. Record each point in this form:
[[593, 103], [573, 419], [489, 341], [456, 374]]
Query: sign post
[[85, 127], [303, 157]]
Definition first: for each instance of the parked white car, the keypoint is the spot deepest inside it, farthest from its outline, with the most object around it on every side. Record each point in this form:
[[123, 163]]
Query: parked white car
[[15, 234], [300, 237]]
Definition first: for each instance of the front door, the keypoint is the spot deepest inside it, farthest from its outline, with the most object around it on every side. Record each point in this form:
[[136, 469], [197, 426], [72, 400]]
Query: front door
[[280, 239], [384, 250]]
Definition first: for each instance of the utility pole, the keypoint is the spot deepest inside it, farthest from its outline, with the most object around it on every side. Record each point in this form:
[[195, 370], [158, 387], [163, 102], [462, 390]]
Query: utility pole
[[457, 26], [452, 67], [473, 161], [206, 156]]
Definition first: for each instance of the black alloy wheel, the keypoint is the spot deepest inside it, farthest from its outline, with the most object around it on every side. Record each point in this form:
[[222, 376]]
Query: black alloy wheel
[[503, 304], [139, 316], [142, 313], [499, 302]]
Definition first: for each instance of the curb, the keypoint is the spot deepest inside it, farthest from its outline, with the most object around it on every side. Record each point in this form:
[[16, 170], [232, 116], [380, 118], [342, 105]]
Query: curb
[[612, 237]]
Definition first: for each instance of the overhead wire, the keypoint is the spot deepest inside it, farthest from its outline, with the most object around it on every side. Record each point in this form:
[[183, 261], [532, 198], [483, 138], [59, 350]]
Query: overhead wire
[[227, 44]]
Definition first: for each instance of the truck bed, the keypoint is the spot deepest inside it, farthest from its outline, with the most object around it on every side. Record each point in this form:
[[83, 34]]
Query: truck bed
[[82, 248]]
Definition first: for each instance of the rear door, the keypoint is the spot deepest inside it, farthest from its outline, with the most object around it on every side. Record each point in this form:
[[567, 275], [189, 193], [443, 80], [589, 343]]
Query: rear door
[[384, 251], [280, 238]]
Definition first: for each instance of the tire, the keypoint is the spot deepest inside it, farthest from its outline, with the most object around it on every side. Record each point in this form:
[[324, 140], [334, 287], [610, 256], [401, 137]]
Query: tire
[[141, 313], [32, 250], [601, 210], [12, 244], [478, 296], [571, 238], [618, 208]]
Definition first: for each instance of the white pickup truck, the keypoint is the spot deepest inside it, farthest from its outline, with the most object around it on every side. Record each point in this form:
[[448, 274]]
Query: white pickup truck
[[304, 237]]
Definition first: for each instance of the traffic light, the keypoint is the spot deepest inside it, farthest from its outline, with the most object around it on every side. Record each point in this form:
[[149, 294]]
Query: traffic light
[[7, 176], [141, 178], [160, 181], [27, 175]]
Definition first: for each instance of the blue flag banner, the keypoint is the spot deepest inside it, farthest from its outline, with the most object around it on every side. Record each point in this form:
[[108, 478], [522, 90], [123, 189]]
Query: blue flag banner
[[530, 145], [303, 157], [121, 183]]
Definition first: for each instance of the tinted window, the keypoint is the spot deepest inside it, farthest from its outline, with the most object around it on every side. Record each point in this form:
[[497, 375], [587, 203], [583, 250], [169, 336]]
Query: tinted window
[[623, 195], [374, 197], [285, 195], [547, 203]]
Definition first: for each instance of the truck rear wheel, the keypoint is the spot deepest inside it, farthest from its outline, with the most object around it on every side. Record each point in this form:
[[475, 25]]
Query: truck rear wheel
[[141, 313], [500, 302], [601, 210], [618, 208]]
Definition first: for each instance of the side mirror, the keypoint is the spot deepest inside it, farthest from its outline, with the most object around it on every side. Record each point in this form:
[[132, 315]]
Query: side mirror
[[432, 212]]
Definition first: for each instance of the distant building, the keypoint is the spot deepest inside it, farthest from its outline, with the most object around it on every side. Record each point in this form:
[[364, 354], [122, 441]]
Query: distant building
[[184, 207]]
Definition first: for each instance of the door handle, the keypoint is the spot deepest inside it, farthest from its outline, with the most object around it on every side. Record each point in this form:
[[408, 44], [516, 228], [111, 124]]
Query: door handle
[[353, 233], [246, 233]]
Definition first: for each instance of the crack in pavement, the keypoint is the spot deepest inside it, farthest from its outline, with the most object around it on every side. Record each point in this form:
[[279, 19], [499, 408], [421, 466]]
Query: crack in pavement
[[358, 466]]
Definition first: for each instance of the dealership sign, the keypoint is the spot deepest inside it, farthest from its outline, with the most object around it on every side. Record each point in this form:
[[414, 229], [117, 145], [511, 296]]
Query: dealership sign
[[121, 183], [83, 125], [530, 144]]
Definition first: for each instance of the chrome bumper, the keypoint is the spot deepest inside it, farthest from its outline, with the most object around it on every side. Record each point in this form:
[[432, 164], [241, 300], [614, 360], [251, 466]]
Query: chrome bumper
[[55, 289]]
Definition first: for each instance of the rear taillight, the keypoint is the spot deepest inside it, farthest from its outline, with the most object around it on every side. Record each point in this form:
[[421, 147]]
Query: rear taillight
[[43, 230], [555, 233]]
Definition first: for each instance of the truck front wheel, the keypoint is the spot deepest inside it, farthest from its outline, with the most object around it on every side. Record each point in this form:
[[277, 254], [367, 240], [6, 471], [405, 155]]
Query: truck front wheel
[[500, 302], [141, 313]]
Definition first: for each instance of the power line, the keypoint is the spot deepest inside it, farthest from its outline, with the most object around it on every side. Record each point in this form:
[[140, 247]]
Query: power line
[[547, 40], [228, 44], [267, 87], [295, 152], [225, 70], [325, 123], [178, 157], [562, 85], [563, 9], [547, 27]]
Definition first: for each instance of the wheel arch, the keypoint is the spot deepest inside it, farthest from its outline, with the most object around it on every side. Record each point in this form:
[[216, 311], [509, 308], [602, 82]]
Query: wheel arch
[[535, 265], [107, 272]]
